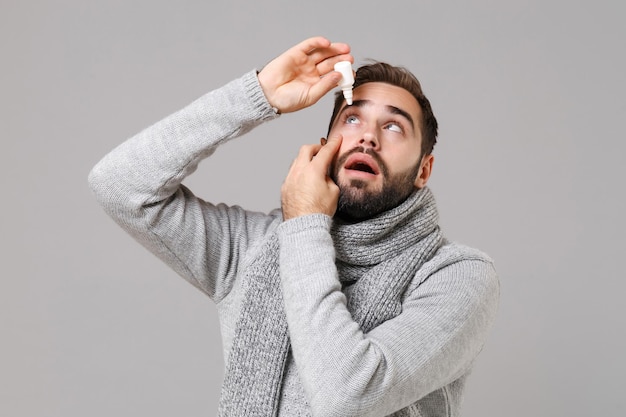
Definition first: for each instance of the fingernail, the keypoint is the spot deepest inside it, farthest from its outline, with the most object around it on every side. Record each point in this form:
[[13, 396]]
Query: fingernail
[[323, 141]]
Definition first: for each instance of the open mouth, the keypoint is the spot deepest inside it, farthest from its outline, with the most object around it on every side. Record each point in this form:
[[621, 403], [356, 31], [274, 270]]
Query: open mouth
[[360, 166], [363, 163]]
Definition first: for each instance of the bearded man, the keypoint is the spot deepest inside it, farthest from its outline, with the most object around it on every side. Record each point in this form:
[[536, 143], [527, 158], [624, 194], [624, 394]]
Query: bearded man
[[346, 301]]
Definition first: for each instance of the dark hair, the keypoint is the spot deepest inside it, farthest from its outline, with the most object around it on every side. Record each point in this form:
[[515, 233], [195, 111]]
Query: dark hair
[[403, 78]]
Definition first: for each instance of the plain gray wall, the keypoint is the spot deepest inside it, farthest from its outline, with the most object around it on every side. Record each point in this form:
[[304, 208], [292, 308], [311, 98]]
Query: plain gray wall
[[530, 97]]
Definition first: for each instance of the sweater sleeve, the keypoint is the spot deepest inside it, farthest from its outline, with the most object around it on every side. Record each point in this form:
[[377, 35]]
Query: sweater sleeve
[[434, 341], [139, 185]]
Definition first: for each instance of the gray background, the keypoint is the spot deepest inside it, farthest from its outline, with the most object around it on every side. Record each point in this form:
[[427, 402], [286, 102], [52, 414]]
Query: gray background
[[530, 97]]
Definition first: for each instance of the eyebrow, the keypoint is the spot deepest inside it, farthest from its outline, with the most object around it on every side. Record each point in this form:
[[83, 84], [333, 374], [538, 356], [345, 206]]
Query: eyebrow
[[391, 109]]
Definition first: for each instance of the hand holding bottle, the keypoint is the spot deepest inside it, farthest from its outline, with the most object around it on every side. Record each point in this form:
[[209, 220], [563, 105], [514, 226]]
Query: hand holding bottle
[[303, 74]]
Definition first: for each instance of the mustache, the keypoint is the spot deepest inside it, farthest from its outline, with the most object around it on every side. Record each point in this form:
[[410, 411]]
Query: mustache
[[360, 149]]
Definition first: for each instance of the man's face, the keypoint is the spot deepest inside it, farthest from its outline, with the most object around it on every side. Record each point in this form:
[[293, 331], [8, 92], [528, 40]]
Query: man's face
[[377, 166]]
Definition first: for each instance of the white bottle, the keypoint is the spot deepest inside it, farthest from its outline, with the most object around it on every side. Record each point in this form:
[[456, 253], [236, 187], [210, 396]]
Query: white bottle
[[347, 79]]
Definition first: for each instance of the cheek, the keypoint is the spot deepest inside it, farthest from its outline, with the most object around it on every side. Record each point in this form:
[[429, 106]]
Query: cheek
[[350, 138], [405, 162], [348, 131]]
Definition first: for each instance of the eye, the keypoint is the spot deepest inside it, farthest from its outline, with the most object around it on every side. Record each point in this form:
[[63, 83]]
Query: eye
[[352, 119], [394, 127]]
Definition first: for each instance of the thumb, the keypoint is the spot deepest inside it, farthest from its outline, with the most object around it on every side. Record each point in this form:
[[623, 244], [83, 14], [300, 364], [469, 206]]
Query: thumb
[[324, 85]]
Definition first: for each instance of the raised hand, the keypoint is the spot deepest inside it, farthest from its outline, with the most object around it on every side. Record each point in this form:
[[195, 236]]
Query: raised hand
[[303, 74], [308, 189]]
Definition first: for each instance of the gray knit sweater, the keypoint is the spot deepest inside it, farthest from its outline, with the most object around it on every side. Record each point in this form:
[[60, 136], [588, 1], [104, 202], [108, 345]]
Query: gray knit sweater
[[424, 353]]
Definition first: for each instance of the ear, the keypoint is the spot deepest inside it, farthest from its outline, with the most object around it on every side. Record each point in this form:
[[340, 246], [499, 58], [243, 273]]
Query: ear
[[426, 168]]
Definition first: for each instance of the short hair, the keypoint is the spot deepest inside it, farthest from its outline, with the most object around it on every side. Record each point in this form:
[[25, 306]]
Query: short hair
[[403, 78]]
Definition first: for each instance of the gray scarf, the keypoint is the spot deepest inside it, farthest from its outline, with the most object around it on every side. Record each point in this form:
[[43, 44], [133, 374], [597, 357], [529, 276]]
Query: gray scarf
[[376, 260]]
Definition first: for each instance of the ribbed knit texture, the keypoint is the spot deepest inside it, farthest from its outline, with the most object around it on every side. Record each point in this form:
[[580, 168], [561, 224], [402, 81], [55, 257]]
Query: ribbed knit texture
[[261, 342], [392, 246]]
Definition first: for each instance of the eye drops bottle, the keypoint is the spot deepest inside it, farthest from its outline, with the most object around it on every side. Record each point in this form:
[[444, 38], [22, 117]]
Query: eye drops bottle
[[347, 79]]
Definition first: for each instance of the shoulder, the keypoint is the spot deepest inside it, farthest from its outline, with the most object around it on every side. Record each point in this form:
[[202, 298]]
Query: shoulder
[[460, 266], [455, 250]]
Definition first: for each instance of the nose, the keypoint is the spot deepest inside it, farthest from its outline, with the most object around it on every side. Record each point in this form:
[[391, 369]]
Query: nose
[[369, 140]]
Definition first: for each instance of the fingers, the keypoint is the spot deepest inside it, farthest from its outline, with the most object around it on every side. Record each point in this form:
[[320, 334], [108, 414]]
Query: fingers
[[308, 189], [309, 45], [318, 44], [319, 155], [337, 48], [326, 58], [306, 154], [327, 65], [324, 85], [301, 76], [324, 53], [327, 152]]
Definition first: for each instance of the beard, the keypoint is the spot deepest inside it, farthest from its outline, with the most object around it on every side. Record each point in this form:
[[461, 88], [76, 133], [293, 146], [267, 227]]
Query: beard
[[357, 202]]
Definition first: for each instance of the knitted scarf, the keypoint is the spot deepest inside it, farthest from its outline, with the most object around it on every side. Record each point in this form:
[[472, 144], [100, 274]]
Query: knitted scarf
[[376, 260]]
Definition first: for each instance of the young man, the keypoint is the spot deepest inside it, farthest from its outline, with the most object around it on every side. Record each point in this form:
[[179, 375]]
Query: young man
[[347, 301]]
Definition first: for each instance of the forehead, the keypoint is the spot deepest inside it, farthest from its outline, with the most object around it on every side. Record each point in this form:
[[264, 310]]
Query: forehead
[[383, 94]]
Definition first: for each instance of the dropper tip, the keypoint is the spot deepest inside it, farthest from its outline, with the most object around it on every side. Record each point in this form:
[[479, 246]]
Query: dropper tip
[[347, 94]]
